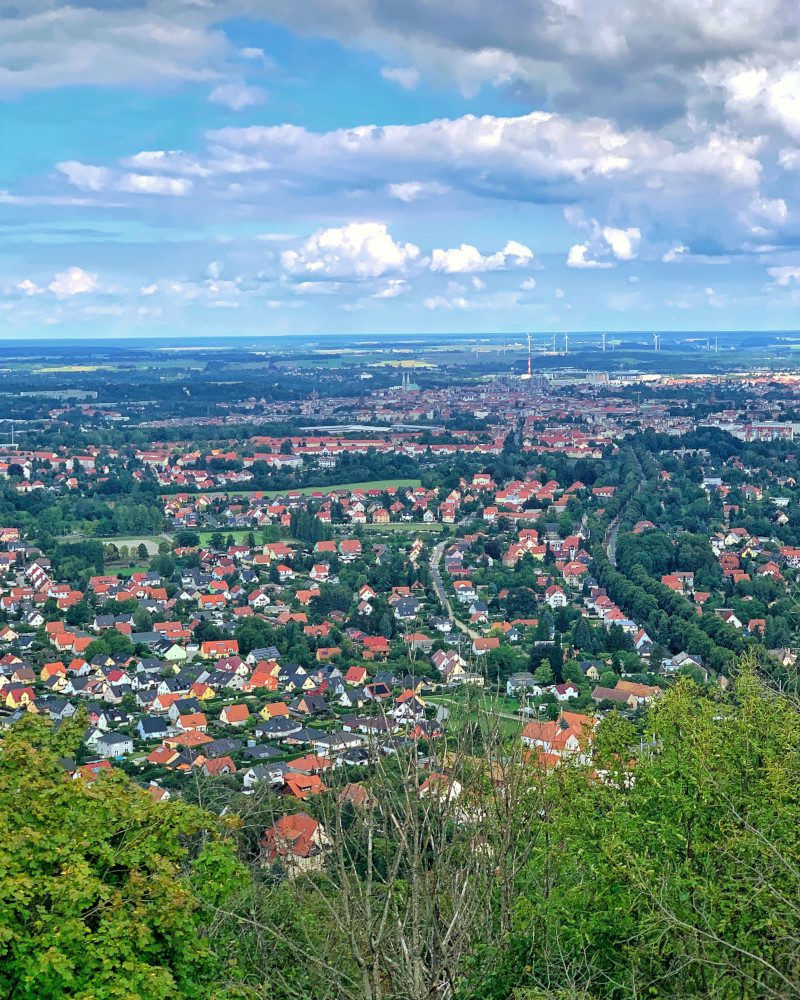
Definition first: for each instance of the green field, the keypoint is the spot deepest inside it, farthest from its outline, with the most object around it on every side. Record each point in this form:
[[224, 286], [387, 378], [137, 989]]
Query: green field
[[411, 526], [377, 484], [470, 705], [151, 542]]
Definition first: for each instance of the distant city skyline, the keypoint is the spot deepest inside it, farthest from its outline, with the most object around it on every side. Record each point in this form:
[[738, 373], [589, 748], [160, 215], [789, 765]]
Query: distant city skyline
[[253, 167]]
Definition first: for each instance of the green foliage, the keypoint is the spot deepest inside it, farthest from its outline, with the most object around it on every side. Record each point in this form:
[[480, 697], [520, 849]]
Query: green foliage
[[684, 882], [101, 888]]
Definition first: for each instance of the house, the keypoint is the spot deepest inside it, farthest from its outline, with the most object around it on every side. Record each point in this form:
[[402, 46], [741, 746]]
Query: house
[[273, 774], [151, 727], [217, 649], [297, 841], [481, 646], [671, 664], [440, 787], [234, 715], [569, 736], [357, 796], [613, 694], [302, 785], [219, 765], [114, 745], [591, 669], [522, 683], [643, 693], [555, 597], [563, 692]]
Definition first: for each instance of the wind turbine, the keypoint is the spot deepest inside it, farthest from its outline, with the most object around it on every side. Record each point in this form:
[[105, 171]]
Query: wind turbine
[[656, 342], [554, 343], [566, 343], [603, 337]]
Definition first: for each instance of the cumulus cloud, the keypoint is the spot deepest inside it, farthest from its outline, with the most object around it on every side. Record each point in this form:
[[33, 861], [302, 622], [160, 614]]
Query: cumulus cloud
[[784, 275], [623, 243], [28, 288], [85, 176], [407, 77], [578, 256], [409, 191], [237, 96], [759, 92], [73, 281], [357, 250], [675, 253], [604, 242], [46, 44], [533, 158], [88, 177], [153, 184], [467, 258], [393, 288]]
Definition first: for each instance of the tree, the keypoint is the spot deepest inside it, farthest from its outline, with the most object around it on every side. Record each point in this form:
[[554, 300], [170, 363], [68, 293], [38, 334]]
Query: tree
[[112, 643], [101, 892]]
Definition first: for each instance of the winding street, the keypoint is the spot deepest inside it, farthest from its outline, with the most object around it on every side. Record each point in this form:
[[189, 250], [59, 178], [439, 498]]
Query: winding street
[[441, 593]]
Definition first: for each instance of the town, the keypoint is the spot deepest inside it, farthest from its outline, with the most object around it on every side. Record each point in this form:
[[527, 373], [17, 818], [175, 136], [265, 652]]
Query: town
[[282, 609], [549, 561]]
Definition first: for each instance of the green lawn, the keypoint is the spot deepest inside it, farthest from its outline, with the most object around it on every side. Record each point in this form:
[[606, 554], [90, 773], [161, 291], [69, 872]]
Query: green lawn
[[401, 526], [480, 706], [377, 484], [129, 570]]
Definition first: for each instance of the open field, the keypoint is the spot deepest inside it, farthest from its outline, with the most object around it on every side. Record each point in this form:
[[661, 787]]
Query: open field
[[471, 705], [377, 484], [410, 526], [151, 542]]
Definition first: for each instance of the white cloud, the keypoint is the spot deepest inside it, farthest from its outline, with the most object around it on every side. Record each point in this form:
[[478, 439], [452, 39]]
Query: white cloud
[[237, 96], [528, 284], [73, 281], [28, 288], [153, 184], [406, 77], [578, 256], [409, 191], [393, 288], [443, 302], [759, 92], [85, 176], [357, 250], [150, 289], [466, 259], [623, 243], [784, 275], [674, 253], [88, 177]]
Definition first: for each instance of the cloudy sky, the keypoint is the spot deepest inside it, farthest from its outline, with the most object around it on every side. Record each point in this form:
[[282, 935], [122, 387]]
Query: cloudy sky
[[254, 166]]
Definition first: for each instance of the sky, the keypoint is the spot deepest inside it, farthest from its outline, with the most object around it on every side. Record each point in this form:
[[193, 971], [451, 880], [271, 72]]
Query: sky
[[198, 167]]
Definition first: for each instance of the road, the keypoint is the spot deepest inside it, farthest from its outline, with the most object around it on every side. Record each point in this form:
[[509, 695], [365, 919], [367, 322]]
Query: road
[[441, 593], [613, 528], [611, 541]]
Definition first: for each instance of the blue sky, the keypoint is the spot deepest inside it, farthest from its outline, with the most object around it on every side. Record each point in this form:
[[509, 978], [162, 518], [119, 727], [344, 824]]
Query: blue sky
[[254, 166]]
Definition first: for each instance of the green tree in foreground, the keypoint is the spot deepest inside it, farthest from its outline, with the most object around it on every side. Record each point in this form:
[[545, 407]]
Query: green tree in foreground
[[102, 890]]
